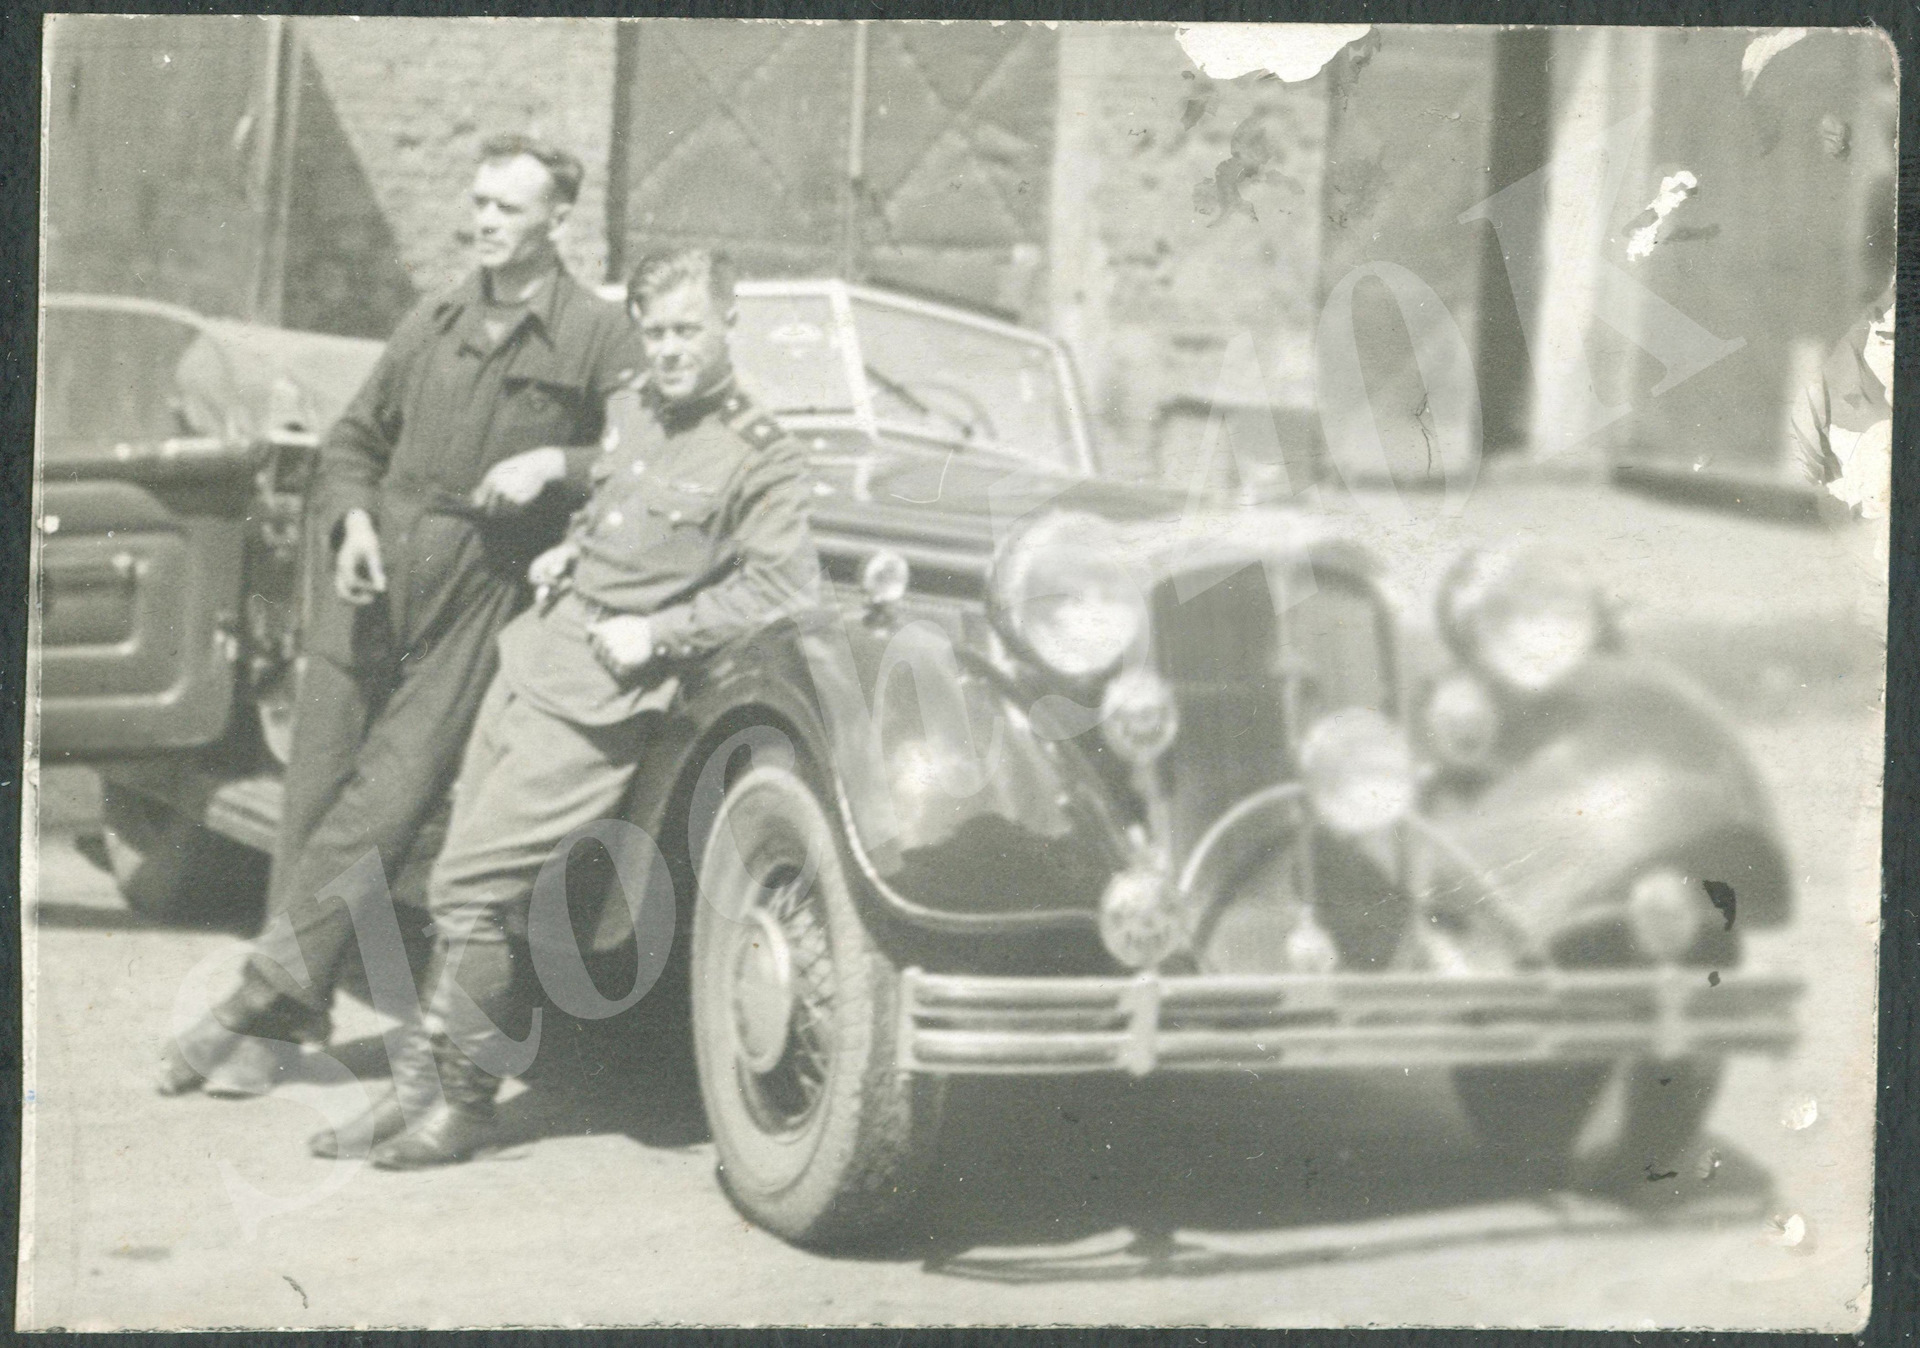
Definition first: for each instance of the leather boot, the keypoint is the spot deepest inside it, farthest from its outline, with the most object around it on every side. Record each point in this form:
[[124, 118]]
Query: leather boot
[[456, 1127], [383, 1119], [411, 1094], [226, 1042]]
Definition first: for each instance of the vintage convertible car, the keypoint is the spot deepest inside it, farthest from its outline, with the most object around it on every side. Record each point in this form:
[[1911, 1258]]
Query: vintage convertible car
[[1161, 789]]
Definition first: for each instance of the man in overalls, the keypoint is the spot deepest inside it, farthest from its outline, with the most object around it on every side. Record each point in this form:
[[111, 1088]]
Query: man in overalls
[[456, 464]]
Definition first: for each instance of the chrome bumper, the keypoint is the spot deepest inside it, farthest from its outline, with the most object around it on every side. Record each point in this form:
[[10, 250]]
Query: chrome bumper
[[957, 1024]]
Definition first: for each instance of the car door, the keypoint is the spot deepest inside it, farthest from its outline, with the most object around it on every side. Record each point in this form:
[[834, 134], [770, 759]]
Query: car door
[[147, 469]]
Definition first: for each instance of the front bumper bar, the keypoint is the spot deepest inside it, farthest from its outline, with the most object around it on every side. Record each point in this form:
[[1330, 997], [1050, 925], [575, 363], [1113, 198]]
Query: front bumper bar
[[959, 1024]]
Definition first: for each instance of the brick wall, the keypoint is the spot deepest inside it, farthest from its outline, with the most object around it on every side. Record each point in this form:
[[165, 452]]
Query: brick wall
[[414, 99]]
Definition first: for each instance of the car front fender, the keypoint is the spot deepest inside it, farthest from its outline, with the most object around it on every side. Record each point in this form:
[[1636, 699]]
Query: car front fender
[[1627, 768], [957, 815]]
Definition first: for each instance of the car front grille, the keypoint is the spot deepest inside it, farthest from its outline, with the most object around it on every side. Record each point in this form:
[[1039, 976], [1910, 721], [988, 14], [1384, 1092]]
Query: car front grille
[[1240, 666], [1217, 647]]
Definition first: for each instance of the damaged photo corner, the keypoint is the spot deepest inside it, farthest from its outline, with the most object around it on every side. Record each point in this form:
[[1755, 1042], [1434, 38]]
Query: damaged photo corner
[[712, 672]]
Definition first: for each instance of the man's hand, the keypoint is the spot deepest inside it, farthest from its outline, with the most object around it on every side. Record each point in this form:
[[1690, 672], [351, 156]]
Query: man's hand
[[513, 483], [623, 643], [551, 567], [358, 575]]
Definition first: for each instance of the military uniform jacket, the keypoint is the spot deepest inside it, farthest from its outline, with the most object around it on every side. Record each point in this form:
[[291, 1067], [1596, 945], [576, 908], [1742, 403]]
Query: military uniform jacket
[[442, 406], [698, 519]]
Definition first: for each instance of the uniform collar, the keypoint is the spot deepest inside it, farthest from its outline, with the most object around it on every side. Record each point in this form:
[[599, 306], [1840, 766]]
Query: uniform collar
[[539, 313], [723, 399]]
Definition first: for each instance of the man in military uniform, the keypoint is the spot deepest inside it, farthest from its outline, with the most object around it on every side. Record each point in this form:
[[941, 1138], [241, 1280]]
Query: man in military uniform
[[696, 535], [455, 465]]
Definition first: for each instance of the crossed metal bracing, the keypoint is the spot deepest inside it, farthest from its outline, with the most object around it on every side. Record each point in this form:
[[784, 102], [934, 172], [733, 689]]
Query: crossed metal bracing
[[755, 135]]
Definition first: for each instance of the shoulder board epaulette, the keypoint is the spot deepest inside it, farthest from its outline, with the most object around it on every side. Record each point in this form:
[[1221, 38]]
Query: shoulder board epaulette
[[754, 426], [762, 431]]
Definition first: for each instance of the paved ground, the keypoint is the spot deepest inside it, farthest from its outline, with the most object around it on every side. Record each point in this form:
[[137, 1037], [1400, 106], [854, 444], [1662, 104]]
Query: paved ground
[[1355, 1202]]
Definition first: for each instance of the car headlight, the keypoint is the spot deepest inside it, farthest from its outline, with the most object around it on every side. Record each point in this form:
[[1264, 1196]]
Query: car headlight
[[1063, 594], [1524, 616], [1665, 912], [1139, 922], [1462, 721], [1358, 771], [1138, 715]]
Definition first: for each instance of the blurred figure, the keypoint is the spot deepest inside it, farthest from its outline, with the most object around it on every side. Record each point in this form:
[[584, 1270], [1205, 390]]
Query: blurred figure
[[1842, 422]]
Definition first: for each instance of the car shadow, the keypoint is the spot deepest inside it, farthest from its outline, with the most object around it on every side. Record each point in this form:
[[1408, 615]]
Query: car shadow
[[89, 917], [633, 1076], [237, 914], [1097, 1178], [1104, 1178]]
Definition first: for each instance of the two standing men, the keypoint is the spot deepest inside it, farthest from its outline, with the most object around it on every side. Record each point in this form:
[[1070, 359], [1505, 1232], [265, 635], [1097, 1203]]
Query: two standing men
[[454, 468]]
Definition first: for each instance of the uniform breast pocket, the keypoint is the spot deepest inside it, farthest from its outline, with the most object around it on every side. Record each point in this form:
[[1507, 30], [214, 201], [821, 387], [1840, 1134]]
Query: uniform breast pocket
[[684, 522], [545, 411]]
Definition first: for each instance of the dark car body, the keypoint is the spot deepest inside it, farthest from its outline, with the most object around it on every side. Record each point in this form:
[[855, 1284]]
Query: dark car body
[[995, 831]]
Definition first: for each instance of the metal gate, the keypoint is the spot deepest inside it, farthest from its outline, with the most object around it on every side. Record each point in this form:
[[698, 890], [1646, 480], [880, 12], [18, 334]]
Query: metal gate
[[911, 154]]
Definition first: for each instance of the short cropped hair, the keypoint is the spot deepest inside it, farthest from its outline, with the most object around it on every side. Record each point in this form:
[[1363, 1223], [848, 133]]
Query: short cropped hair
[[657, 273], [564, 169]]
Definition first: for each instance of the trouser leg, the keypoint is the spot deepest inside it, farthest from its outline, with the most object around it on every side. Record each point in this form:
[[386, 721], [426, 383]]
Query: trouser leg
[[529, 780], [397, 785], [336, 708]]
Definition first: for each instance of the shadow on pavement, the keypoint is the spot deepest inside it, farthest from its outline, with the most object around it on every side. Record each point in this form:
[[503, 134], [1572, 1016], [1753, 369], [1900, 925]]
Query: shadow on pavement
[[1105, 1178], [1100, 1178], [632, 1076], [90, 917]]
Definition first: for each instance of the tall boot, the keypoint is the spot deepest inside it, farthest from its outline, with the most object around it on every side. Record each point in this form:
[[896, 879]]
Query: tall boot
[[227, 1051], [455, 1127], [410, 1094]]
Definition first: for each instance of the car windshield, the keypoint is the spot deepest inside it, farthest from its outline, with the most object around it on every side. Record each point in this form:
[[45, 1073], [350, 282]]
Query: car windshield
[[952, 381], [789, 353]]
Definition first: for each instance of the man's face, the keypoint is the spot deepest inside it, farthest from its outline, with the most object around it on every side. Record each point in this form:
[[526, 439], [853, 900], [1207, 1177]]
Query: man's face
[[515, 214], [684, 334]]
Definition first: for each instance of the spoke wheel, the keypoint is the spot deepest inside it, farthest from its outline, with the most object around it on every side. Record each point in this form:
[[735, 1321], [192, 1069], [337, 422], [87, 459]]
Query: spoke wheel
[[820, 1137]]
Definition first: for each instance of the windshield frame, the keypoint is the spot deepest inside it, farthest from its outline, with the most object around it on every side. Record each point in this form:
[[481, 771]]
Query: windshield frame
[[840, 295], [133, 306]]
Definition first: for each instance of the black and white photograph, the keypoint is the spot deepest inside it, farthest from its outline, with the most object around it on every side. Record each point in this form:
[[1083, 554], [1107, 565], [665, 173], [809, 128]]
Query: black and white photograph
[[720, 672]]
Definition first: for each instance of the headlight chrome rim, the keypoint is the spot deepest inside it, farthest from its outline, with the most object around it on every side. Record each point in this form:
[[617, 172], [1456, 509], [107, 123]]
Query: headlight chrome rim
[[1138, 715], [1064, 595], [1525, 616], [884, 578], [1666, 913], [1140, 922]]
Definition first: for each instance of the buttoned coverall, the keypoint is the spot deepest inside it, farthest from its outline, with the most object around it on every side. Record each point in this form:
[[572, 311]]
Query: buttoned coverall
[[390, 690]]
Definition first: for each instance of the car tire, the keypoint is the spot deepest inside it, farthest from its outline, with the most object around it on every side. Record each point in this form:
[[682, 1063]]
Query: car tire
[[1531, 1121], [821, 1138], [174, 871], [1658, 1152]]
